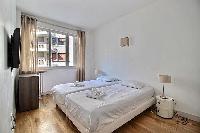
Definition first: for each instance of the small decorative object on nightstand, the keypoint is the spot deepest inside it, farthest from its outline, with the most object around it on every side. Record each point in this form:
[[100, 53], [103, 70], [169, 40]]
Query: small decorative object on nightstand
[[165, 106]]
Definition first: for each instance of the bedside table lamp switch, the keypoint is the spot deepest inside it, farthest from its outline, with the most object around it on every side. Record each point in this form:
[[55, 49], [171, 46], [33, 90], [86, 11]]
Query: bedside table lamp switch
[[164, 79]]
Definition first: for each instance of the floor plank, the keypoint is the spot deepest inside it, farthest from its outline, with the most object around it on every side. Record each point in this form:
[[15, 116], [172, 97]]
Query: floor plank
[[49, 119]]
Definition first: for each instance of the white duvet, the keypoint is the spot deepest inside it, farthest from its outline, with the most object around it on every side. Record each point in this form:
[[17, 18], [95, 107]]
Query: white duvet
[[60, 91], [93, 114]]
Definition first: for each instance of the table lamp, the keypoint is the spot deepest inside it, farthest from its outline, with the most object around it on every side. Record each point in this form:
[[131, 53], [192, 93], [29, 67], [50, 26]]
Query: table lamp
[[164, 79]]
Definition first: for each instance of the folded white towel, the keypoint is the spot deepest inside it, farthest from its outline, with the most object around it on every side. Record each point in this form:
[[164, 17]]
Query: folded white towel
[[95, 94], [77, 84]]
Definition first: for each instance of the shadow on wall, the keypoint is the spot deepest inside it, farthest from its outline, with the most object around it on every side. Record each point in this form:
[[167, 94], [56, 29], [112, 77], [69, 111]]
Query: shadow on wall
[[5, 42]]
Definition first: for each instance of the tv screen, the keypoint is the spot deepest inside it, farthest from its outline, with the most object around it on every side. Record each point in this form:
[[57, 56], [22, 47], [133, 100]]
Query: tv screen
[[13, 49]]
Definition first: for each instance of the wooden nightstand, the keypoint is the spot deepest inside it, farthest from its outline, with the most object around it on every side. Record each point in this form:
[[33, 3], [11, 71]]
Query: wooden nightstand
[[165, 107]]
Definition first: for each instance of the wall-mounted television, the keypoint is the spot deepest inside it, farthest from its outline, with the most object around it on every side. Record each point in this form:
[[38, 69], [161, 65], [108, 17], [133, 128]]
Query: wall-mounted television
[[13, 49]]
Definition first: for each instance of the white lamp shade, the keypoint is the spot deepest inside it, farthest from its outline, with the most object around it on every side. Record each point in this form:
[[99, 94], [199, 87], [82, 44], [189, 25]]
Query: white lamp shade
[[165, 78]]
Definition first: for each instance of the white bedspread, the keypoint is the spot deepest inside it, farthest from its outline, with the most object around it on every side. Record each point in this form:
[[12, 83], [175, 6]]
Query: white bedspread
[[93, 114], [60, 91]]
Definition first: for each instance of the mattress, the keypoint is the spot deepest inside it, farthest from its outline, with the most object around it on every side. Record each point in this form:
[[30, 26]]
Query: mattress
[[94, 114], [60, 91], [109, 128], [62, 107]]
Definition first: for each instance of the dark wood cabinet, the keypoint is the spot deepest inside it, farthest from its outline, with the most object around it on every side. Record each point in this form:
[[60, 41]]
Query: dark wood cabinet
[[28, 92]]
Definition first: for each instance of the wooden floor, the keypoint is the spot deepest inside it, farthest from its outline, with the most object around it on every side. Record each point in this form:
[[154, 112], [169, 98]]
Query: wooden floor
[[49, 119]]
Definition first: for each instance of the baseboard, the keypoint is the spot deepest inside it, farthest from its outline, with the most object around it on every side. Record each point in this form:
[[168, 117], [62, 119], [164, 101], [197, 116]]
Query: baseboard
[[189, 116]]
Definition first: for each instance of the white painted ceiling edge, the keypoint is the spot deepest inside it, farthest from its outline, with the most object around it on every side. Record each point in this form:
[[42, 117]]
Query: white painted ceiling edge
[[50, 22], [87, 14]]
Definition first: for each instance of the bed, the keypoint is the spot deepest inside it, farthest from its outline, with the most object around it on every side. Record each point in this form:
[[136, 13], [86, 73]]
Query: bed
[[120, 104], [60, 91]]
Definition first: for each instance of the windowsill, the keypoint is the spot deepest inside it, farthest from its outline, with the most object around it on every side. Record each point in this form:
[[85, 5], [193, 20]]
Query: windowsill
[[56, 67]]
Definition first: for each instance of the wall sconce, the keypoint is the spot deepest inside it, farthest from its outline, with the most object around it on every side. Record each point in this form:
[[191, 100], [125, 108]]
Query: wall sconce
[[124, 42]]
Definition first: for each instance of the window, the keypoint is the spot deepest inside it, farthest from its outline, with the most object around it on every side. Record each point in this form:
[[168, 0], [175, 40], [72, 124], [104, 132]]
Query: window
[[43, 48], [55, 48], [58, 49], [71, 50]]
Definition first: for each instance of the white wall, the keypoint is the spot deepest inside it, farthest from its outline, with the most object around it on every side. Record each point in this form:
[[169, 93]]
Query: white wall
[[18, 18], [89, 56], [7, 26], [165, 38], [58, 76]]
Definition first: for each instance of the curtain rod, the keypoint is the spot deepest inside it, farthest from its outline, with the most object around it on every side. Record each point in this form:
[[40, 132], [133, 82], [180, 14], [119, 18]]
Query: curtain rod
[[39, 19]]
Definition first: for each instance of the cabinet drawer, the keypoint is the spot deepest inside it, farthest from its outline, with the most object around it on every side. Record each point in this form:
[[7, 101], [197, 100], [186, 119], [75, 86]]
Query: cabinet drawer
[[165, 113], [165, 104]]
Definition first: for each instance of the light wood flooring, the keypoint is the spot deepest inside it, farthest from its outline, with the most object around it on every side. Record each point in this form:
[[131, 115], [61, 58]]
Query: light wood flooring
[[49, 119]]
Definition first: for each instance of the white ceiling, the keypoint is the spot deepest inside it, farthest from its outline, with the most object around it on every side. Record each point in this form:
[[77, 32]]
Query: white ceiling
[[83, 13]]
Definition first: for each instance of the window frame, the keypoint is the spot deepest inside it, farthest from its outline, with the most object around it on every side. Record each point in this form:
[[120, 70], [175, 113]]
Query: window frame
[[50, 31]]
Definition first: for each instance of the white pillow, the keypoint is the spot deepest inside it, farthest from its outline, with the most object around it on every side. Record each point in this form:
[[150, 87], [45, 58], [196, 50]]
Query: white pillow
[[107, 79], [133, 84]]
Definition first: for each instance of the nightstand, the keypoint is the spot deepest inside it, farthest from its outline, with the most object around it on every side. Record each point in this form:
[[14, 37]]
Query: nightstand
[[165, 106]]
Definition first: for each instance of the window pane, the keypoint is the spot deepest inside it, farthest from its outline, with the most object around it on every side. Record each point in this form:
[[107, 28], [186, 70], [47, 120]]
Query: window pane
[[71, 51], [43, 48], [58, 49]]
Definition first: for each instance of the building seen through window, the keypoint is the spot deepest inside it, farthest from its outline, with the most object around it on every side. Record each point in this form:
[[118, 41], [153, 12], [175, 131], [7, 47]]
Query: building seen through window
[[55, 49]]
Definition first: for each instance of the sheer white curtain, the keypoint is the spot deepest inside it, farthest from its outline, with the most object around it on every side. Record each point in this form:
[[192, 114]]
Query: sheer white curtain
[[29, 46]]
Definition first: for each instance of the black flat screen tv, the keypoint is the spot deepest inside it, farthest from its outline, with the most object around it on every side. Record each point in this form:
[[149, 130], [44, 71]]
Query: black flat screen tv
[[13, 49]]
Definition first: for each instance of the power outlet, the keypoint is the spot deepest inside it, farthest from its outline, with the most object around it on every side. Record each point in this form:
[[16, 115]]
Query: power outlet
[[12, 121]]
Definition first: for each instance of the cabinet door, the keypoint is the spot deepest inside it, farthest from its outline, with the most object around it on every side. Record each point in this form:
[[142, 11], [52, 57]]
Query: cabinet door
[[165, 113], [28, 93], [24, 93], [34, 97], [161, 103]]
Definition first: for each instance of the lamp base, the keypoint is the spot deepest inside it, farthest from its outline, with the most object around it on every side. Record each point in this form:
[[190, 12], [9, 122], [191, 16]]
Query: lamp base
[[163, 97], [163, 94]]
